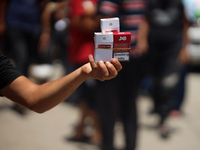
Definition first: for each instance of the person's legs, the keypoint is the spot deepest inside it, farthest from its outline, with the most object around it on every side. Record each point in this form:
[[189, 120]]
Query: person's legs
[[79, 134], [179, 93], [107, 99], [129, 119], [164, 94], [131, 77], [96, 137], [19, 49], [87, 110], [166, 78]]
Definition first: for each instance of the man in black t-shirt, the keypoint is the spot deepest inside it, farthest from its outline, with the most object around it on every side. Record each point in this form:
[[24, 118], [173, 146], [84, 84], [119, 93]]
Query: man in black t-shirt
[[163, 39], [7, 72], [43, 97]]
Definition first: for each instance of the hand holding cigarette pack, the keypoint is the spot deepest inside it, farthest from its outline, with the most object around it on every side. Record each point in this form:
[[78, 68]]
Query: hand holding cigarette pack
[[110, 42]]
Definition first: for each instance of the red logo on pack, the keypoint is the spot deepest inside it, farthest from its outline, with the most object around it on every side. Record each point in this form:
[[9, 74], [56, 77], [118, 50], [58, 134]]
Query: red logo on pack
[[104, 46]]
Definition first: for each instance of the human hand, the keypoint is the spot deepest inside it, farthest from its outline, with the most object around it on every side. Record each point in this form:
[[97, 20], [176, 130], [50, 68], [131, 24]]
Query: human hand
[[100, 70], [142, 47], [89, 8], [44, 41], [184, 57]]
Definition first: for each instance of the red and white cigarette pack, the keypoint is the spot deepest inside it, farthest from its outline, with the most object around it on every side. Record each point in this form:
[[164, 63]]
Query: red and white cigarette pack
[[111, 43], [121, 45]]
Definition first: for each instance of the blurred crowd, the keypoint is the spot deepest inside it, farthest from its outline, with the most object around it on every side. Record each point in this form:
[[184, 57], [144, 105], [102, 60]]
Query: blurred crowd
[[41, 35]]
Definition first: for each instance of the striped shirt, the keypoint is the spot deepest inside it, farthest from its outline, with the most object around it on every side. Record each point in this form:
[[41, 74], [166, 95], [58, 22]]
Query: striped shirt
[[130, 12]]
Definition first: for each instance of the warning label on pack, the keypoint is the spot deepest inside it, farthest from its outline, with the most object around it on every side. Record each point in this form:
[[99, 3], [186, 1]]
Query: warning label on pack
[[121, 56]]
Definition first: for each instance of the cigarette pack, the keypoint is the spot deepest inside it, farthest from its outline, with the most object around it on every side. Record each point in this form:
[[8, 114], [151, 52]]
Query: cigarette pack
[[103, 46], [110, 25], [110, 42], [121, 46]]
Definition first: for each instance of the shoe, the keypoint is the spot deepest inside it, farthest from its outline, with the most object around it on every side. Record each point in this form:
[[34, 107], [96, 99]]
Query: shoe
[[164, 131], [84, 139], [19, 109]]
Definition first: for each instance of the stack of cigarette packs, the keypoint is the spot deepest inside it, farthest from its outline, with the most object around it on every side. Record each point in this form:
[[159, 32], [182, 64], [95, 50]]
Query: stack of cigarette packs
[[110, 42]]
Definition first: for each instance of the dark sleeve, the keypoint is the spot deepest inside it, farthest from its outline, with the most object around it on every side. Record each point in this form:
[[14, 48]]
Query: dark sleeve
[[7, 71]]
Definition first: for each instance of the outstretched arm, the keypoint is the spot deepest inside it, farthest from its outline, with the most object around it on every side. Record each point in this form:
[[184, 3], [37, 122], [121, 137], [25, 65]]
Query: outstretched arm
[[41, 98]]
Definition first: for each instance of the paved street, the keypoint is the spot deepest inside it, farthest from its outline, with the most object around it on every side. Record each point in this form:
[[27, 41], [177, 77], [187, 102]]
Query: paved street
[[49, 131]]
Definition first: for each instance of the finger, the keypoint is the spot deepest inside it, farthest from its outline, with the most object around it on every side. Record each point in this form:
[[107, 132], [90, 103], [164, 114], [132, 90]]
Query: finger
[[103, 71], [112, 70], [92, 62], [116, 64]]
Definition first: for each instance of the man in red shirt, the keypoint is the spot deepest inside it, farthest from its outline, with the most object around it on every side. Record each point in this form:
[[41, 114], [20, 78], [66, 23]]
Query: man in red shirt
[[83, 24]]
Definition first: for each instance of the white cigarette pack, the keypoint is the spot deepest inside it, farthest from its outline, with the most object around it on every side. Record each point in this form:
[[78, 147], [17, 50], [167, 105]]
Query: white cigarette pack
[[103, 46], [110, 25]]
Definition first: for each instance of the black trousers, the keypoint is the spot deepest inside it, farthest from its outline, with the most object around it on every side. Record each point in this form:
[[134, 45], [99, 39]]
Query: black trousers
[[117, 100], [117, 97], [162, 64], [22, 47]]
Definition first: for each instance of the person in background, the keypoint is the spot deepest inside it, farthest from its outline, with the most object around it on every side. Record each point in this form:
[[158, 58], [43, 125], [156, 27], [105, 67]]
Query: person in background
[[24, 27], [55, 24], [83, 24], [192, 7], [118, 103], [162, 41]]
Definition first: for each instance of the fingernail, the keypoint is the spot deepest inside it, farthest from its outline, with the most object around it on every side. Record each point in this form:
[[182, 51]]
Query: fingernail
[[108, 63], [101, 62], [113, 60]]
